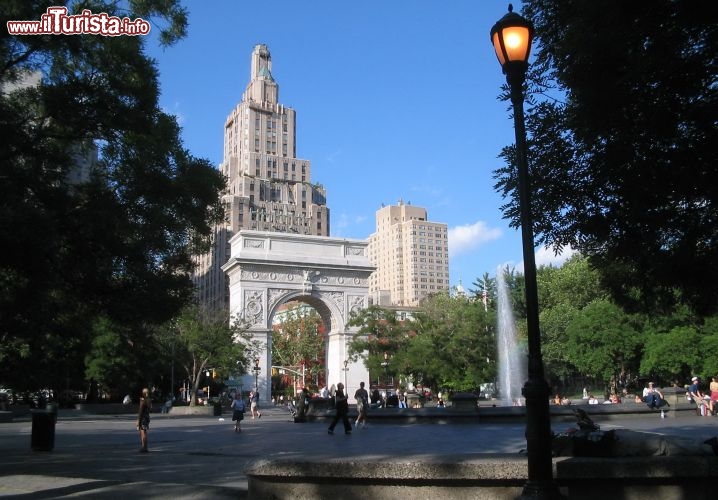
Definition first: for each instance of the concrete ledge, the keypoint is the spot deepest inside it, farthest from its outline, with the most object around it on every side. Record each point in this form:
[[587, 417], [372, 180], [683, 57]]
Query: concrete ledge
[[492, 477], [107, 408], [122, 409], [191, 410], [492, 414]]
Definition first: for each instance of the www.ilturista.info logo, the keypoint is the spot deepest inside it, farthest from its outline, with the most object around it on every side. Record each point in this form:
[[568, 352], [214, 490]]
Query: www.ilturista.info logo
[[57, 22]]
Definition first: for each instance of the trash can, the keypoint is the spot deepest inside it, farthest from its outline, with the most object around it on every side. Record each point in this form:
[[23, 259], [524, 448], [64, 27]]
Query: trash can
[[43, 429]]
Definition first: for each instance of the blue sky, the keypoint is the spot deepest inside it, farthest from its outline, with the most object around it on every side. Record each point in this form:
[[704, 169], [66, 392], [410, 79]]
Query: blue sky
[[394, 100]]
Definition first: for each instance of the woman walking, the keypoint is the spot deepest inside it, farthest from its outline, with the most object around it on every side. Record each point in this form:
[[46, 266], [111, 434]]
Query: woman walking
[[237, 411], [143, 418]]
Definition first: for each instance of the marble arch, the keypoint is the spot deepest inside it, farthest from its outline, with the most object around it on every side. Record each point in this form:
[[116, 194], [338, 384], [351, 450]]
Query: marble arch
[[268, 269]]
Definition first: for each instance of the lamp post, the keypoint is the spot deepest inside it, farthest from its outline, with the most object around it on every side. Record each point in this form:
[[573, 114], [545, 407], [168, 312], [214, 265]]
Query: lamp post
[[511, 37], [256, 371], [209, 381], [304, 383], [346, 370]]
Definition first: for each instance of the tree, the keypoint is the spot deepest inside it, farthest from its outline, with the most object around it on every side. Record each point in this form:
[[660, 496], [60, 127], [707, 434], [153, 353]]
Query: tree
[[380, 332], [206, 341], [299, 341], [454, 346], [672, 355], [622, 141], [117, 244], [709, 344], [603, 342], [110, 363], [563, 293], [484, 290]]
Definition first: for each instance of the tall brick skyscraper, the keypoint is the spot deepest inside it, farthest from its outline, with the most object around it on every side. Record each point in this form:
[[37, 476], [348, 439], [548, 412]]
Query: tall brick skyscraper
[[269, 188]]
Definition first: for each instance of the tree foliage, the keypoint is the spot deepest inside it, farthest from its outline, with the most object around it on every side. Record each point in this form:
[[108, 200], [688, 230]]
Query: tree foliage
[[461, 336], [672, 355], [299, 341], [206, 341], [623, 135], [380, 332], [116, 245], [448, 343], [563, 293], [603, 342]]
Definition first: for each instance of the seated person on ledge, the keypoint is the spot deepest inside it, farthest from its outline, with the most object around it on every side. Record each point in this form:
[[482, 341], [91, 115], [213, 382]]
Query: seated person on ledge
[[653, 397]]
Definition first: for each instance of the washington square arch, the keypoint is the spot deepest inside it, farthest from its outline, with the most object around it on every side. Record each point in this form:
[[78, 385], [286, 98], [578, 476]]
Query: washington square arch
[[268, 269]]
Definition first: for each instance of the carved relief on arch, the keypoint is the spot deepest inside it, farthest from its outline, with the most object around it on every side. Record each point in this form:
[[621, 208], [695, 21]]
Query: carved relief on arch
[[356, 303], [274, 294], [252, 274], [337, 298], [253, 307], [253, 243]]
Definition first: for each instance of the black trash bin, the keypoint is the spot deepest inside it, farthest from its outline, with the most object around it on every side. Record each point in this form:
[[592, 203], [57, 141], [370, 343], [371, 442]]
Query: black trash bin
[[43, 429]]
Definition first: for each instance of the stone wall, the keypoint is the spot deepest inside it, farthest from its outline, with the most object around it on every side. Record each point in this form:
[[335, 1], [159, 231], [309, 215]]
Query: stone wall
[[492, 477]]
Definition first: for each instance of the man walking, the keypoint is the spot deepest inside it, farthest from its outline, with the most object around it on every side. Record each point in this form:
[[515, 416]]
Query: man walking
[[342, 410]]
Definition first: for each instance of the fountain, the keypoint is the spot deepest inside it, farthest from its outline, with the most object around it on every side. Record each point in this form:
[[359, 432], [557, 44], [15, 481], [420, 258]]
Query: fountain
[[511, 356]]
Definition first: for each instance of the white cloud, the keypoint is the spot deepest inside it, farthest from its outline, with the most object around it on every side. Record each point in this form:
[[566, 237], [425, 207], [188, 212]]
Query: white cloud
[[340, 222], [344, 225], [465, 238], [331, 157], [176, 113], [545, 257]]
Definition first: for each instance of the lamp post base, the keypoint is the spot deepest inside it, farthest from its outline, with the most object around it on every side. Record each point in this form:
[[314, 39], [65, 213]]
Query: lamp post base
[[541, 490], [541, 484]]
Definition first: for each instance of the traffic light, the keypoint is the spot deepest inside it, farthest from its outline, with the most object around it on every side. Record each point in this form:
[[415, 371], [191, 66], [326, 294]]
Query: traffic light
[[214, 373]]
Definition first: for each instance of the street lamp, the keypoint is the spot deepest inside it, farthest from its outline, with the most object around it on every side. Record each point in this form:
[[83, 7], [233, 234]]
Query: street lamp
[[256, 371], [511, 37]]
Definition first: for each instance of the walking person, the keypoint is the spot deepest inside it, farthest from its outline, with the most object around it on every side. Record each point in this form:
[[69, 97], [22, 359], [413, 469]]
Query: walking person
[[303, 400], [254, 404], [237, 411], [342, 410], [143, 419], [362, 398]]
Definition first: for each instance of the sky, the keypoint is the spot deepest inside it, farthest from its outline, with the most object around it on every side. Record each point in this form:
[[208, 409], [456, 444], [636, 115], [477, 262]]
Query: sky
[[394, 100]]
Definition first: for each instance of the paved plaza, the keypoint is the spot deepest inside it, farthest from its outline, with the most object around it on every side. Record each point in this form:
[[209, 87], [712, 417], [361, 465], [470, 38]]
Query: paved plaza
[[193, 457]]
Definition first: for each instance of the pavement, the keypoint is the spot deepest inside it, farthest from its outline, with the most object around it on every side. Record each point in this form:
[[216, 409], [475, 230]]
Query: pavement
[[198, 457]]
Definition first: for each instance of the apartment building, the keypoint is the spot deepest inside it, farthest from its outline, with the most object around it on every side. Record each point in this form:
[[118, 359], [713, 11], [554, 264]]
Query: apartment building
[[269, 187], [411, 255]]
